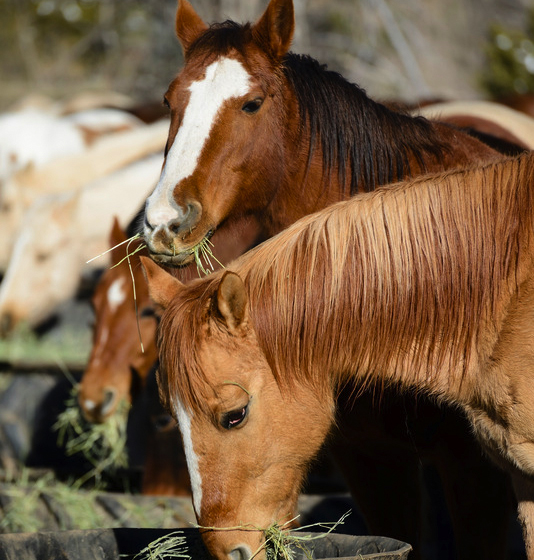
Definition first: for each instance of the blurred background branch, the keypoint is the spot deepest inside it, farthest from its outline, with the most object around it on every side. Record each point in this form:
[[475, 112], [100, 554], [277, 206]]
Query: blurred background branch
[[402, 50]]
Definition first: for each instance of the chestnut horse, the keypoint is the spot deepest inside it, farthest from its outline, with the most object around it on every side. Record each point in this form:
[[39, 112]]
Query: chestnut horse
[[262, 134], [124, 348], [121, 364], [260, 137], [427, 286]]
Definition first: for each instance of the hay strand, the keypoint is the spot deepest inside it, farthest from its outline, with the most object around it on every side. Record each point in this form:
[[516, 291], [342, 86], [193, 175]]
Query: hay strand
[[172, 545], [203, 251]]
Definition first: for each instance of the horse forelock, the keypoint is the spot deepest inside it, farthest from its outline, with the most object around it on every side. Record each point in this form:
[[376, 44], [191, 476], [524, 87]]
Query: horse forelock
[[181, 332], [220, 39]]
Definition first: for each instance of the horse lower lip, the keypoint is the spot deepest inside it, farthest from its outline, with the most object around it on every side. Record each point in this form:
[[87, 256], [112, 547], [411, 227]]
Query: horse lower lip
[[180, 259]]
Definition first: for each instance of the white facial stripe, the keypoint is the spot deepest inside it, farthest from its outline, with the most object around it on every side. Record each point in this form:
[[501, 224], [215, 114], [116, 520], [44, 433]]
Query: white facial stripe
[[184, 422], [225, 79], [116, 294]]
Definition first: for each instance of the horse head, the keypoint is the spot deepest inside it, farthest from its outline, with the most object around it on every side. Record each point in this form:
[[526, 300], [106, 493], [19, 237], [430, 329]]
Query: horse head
[[123, 341], [247, 439], [223, 153]]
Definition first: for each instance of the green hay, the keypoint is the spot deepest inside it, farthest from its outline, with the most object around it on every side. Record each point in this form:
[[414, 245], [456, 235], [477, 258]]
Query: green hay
[[172, 545], [280, 541], [103, 445], [129, 240], [203, 251]]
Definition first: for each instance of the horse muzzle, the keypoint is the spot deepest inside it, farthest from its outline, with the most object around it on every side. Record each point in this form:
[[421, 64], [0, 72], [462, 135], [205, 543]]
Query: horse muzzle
[[174, 242]]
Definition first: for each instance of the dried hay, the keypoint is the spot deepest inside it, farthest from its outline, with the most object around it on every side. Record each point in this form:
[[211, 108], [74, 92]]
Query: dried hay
[[103, 445]]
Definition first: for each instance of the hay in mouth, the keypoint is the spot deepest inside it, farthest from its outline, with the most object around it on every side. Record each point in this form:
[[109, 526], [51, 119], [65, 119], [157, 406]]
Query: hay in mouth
[[203, 250]]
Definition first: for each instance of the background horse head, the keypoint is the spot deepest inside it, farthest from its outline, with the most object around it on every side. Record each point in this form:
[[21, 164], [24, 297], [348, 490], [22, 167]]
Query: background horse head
[[124, 347], [426, 286], [261, 134]]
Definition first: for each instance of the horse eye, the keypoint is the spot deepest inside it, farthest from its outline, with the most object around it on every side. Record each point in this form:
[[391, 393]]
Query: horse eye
[[162, 422], [166, 103], [234, 418], [253, 106]]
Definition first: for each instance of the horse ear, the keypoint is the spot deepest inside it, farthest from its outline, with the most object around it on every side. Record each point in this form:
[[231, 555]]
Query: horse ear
[[232, 302], [116, 237], [162, 286], [189, 25], [276, 26]]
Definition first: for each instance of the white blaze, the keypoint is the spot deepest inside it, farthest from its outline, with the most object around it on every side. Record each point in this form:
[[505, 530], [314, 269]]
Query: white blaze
[[225, 79], [116, 294], [184, 422]]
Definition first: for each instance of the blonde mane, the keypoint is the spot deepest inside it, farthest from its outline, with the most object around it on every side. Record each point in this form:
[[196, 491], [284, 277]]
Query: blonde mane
[[402, 280]]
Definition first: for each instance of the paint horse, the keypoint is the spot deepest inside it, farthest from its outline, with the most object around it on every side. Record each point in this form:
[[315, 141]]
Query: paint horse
[[260, 137], [427, 286]]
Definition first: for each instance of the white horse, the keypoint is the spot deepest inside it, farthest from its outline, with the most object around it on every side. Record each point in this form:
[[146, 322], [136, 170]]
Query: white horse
[[63, 231], [68, 173]]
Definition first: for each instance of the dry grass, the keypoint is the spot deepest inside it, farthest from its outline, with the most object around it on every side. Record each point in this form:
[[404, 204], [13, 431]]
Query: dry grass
[[281, 542], [25, 495], [172, 545]]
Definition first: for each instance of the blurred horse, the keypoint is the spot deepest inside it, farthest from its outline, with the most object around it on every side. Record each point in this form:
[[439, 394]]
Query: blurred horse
[[486, 117], [60, 234], [123, 350], [69, 173]]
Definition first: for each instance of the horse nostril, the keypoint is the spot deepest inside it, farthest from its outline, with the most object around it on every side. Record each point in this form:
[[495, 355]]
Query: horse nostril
[[187, 221], [108, 402], [240, 553]]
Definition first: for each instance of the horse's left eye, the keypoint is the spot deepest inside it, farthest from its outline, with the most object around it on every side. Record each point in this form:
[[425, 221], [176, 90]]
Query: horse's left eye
[[234, 418], [253, 106]]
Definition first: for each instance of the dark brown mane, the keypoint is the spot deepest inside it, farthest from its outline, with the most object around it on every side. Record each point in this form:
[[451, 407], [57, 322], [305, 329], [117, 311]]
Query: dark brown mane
[[401, 279], [359, 138], [362, 139]]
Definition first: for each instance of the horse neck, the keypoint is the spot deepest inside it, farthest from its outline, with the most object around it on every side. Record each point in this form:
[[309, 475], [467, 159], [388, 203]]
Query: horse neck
[[374, 327], [394, 147]]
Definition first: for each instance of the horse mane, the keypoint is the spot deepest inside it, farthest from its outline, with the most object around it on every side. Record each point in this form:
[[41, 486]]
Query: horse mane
[[365, 141], [406, 277]]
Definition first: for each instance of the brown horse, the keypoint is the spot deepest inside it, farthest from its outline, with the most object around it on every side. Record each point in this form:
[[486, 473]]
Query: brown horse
[[427, 286], [124, 348], [259, 137], [121, 364], [261, 134]]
